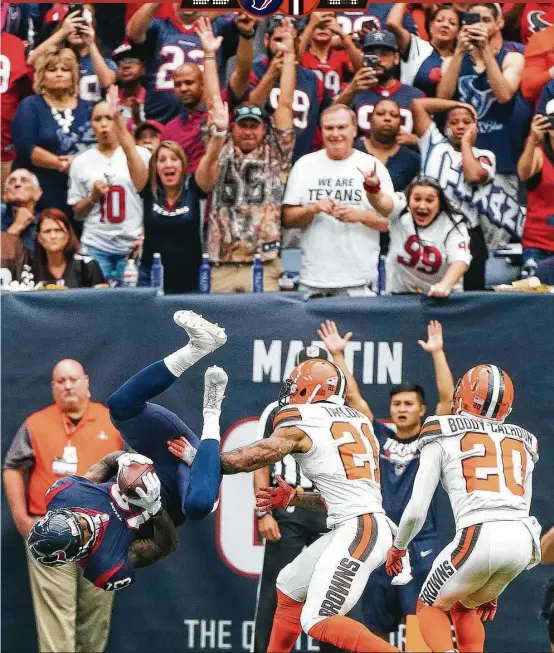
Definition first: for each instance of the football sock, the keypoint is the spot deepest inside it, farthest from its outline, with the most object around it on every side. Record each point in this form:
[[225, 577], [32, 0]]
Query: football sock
[[470, 631], [286, 624], [210, 430], [205, 479], [349, 635], [130, 399], [434, 625], [184, 358]]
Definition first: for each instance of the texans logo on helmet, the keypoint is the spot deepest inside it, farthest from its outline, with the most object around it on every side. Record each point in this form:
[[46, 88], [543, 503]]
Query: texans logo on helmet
[[261, 7], [298, 7], [53, 558], [537, 21]]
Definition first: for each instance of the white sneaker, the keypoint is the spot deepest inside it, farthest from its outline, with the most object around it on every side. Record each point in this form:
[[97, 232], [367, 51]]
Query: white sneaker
[[215, 383], [204, 335]]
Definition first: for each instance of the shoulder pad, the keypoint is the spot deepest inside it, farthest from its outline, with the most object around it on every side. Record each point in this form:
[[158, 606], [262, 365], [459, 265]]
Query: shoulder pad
[[431, 430], [286, 417]]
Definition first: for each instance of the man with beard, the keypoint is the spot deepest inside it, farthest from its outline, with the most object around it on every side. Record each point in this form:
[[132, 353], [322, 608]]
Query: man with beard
[[371, 84], [130, 73], [190, 85], [310, 95]]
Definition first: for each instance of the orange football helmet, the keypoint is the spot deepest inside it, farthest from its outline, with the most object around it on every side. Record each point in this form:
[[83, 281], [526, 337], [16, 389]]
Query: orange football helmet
[[313, 381], [484, 391]]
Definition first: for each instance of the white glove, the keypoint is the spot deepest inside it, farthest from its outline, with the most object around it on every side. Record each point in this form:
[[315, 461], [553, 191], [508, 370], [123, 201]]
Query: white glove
[[405, 576], [149, 499], [127, 458]]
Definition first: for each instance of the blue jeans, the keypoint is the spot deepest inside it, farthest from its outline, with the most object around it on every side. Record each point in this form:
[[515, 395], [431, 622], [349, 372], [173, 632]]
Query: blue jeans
[[530, 258], [107, 261]]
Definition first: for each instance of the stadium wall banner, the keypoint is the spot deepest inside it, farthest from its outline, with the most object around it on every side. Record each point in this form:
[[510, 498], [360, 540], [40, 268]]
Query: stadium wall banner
[[202, 598]]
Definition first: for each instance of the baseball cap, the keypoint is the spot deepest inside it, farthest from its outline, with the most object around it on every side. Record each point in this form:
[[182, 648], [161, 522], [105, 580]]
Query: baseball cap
[[313, 351], [153, 124], [380, 39], [126, 51], [250, 112]]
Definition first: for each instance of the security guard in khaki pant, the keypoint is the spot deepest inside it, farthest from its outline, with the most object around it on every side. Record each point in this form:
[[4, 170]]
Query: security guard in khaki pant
[[65, 438]]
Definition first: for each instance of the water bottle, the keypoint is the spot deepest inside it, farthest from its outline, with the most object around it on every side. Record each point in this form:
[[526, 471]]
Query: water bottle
[[381, 276], [157, 274], [205, 275], [130, 274], [257, 274]]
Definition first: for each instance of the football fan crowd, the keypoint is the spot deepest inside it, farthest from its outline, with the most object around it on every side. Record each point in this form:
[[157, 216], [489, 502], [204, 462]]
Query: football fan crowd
[[399, 149]]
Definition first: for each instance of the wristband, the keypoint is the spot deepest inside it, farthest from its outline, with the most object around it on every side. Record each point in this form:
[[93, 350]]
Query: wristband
[[209, 56], [372, 190], [261, 513], [214, 132]]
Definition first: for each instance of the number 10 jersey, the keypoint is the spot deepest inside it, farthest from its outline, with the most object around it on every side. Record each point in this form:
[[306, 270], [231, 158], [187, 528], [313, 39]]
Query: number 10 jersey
[[343, 462], [486, 467]]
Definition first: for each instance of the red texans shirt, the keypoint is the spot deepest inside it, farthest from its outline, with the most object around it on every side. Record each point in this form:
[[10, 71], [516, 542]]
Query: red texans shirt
[[331, 72], [15, 84]]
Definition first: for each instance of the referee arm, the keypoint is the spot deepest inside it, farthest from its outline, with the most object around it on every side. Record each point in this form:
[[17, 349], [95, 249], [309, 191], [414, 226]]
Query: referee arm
[[443, 374]]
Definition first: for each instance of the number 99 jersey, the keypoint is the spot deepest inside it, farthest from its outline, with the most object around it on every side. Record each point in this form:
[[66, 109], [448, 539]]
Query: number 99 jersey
[[343, 462], [419, 258], [486, 467]]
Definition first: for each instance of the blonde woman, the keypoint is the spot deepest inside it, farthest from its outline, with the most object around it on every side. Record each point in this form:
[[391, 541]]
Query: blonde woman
[[51, 127]]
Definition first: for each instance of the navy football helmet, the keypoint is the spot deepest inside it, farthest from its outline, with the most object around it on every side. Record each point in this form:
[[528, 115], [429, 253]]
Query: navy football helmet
[[59, 538]]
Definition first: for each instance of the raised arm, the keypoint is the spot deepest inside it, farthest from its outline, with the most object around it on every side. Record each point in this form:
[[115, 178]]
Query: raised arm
[[395, 21], [379, 200], [265, 452], [70, 24], [531, 159], [208, 169], [106, 76], [147, 551], [141, 21], [335, 345], [443, 375], [451, 67], [260, 93], [138, 170], [240, 77], [283, 112], [506, 80], [423, 108]]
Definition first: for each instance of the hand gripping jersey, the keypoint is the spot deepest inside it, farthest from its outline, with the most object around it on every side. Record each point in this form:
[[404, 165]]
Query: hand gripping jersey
[[343, 462], [486, 467], [108, 565]]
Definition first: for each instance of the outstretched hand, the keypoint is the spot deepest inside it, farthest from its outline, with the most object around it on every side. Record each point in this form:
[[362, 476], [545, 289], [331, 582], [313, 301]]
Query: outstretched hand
[[332, 339], [210, 42], [181, 448], [435, 340]]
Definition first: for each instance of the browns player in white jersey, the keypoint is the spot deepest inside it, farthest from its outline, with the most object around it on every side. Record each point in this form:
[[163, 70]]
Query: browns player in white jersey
[[486, 468], [337, 450]]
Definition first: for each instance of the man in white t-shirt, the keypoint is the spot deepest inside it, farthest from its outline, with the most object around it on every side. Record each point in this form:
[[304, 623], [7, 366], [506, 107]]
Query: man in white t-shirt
[[105, 183], [325, 197]]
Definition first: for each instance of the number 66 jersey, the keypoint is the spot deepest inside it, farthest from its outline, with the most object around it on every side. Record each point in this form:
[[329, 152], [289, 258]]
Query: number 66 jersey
[[486, 467], [343, 462]]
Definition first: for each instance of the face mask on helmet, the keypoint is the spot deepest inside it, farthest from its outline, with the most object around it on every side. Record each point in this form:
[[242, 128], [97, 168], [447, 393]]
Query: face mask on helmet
[[314, 381], [59, 538]]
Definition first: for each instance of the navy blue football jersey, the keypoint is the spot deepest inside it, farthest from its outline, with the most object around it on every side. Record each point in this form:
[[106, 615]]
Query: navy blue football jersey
[[429, 75], [310, 99], [376, 12], [89, 86], [365, 101], [398, 463], [169, 45], [108, 565]]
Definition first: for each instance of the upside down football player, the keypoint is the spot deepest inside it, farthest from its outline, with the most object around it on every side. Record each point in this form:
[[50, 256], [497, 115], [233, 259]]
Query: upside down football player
[[91, 521], [337, 450], [486, 468]]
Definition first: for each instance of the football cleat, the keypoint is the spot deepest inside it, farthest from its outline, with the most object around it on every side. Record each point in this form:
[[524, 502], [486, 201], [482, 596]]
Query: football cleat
[[215, 382], [204, 336]]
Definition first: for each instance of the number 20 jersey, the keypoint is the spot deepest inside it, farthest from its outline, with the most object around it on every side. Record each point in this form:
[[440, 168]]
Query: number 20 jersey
[[343, 462], [486, 467]]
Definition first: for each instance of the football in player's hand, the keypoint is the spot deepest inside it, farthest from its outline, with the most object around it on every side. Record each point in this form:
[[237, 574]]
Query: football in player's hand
[[129, 478]]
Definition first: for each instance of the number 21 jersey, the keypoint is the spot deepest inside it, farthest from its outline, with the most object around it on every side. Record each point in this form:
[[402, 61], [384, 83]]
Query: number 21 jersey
[[343, 462], [486, 467]]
